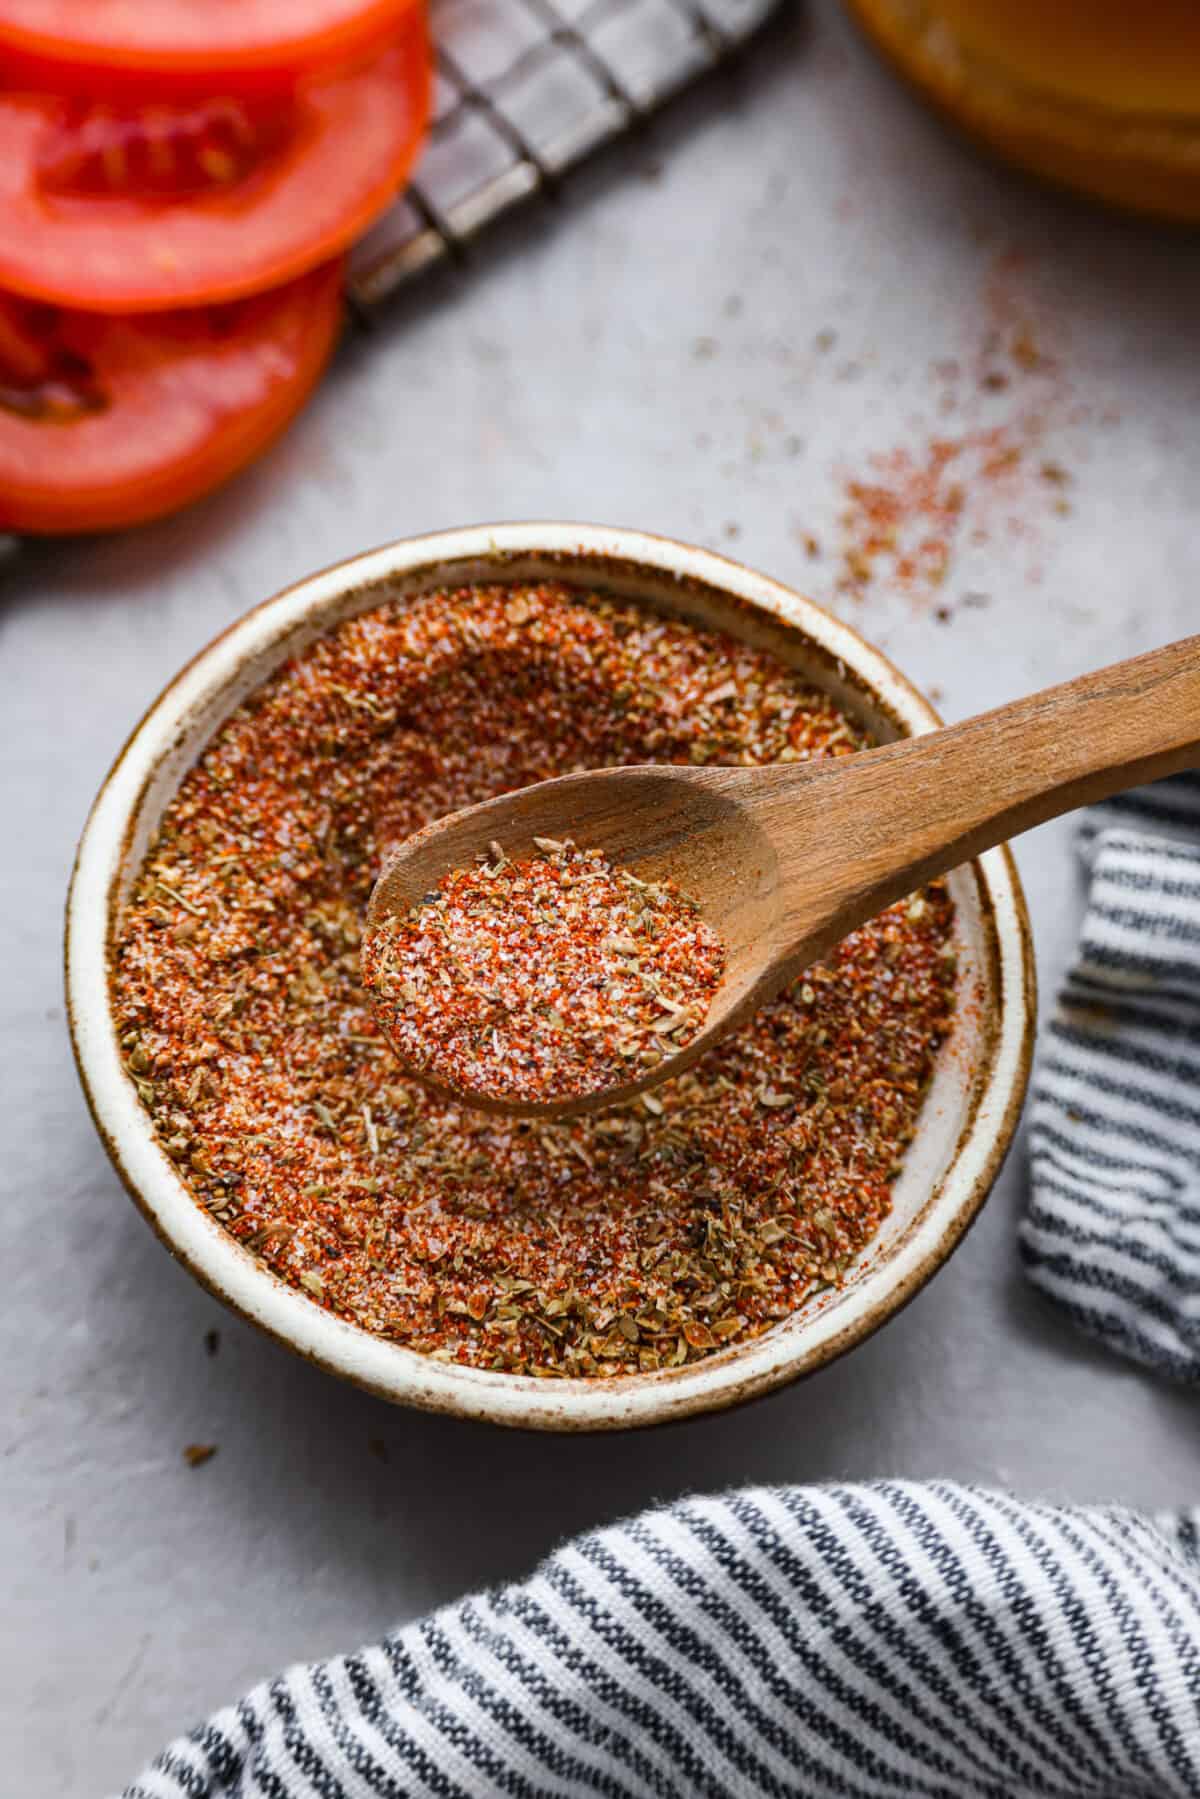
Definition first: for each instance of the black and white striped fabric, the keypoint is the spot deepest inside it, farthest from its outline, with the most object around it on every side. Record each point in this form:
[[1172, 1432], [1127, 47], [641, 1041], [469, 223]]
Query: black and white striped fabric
[[859, 1641], [1112, 1230]]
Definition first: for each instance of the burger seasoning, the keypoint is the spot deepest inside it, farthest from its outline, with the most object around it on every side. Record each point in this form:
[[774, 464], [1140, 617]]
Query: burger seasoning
[[636, 1239], [548, 977]]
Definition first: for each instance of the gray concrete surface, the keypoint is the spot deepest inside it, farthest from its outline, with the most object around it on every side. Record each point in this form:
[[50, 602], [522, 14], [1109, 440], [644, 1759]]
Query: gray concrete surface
[[650, 355]]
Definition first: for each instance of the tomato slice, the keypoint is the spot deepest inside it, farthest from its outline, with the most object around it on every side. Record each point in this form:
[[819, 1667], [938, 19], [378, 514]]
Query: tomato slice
[[167, 44], [165, 206], [110, 421]]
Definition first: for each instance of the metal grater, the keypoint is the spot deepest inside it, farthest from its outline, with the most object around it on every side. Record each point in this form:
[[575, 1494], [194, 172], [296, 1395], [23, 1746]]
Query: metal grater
[[525, 90]]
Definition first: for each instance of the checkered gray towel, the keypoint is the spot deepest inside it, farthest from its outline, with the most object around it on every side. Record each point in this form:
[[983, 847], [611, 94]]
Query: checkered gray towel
[[1113, 1226], [867, 1642]]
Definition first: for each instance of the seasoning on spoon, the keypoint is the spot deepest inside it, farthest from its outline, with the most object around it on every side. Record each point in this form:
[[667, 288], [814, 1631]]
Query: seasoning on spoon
[[543, 977]]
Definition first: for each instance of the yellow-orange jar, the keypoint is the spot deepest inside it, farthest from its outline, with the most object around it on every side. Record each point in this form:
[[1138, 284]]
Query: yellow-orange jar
[[1098, 95]]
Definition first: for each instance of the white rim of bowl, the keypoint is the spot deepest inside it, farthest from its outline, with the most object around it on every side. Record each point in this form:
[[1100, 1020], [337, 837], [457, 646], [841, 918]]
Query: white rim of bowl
[[236, 1276]]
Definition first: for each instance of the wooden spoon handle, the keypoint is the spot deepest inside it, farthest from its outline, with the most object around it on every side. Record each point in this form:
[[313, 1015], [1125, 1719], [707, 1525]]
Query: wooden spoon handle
[[915, 809]]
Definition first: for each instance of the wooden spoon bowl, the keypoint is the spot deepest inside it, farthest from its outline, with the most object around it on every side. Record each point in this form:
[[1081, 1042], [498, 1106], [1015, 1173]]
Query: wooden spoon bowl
[[655, 821]]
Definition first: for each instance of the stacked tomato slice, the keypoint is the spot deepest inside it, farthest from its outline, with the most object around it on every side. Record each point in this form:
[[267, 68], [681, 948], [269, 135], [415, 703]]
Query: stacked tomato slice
[[178, 180]]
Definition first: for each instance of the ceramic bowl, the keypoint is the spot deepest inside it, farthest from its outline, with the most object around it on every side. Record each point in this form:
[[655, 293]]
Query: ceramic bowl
[[965, 1126]]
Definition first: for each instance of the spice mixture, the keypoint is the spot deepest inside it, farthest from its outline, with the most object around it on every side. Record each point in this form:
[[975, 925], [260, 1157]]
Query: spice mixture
[[543, 978], [638, 1238]]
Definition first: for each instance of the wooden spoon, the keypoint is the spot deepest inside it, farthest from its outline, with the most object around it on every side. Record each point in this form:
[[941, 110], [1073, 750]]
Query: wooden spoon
[[786, 860]]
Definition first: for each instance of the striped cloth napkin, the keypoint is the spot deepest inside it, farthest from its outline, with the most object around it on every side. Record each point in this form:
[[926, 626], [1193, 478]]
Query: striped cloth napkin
[[1112, 1230], [858, 1641]]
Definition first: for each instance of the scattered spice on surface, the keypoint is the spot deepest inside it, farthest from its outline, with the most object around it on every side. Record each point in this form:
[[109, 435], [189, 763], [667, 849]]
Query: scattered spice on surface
[[196, 1454], [542, 978], [212, 1342], [636, 1239], [911, 510]]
